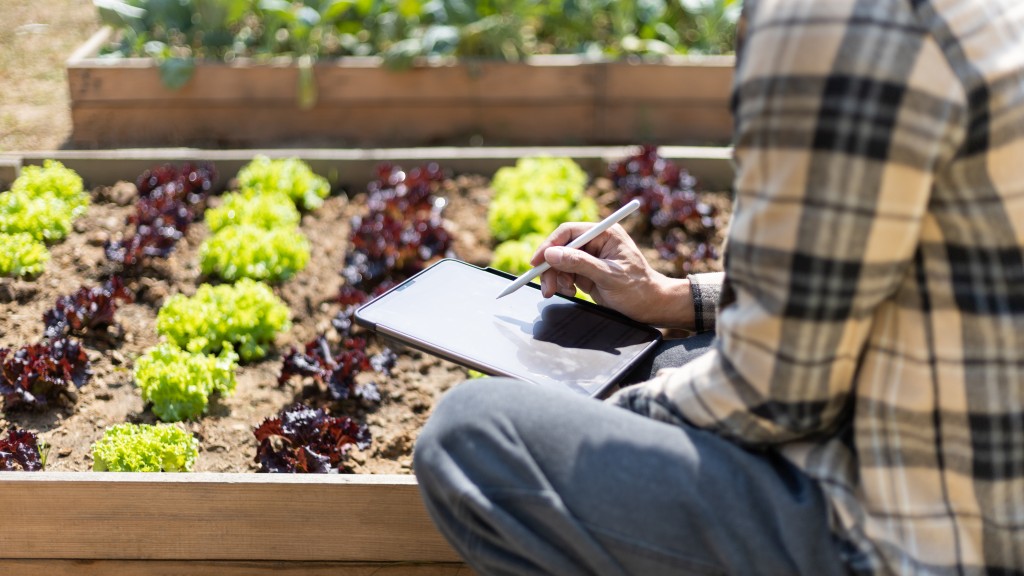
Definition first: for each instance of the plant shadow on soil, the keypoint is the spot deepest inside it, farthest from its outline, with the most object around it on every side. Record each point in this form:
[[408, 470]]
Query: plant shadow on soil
[[225, 433]]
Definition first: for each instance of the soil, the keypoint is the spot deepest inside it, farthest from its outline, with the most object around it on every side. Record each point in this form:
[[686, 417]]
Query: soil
[[226, 440]]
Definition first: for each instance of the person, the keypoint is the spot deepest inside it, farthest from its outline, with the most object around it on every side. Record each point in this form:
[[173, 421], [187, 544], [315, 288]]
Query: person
[[860, 409]]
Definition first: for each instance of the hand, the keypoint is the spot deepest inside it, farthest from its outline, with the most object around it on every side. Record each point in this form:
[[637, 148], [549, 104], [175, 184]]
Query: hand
[[615, 273]]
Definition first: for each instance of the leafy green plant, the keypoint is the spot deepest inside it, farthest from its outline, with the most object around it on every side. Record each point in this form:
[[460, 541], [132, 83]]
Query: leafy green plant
[[267, 210], [513, 256], [179, 383], [145, 448], [180, 31], [53, 179], [536, 195], [22, 255], [247, 315], [43, 201], [248, 251], [290, 176]]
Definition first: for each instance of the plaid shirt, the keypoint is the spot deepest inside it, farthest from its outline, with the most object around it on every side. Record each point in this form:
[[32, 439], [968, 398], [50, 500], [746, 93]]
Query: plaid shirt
[[871, 324]]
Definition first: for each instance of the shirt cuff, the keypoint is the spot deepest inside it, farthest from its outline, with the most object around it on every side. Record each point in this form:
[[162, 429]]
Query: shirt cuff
[[705, 289]]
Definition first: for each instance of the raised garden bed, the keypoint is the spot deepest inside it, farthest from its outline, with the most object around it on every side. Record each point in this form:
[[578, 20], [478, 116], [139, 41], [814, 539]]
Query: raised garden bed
[[551, 100], [234, 521]]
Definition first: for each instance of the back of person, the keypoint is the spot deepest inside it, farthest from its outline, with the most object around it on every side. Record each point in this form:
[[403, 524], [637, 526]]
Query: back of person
[[910, 264], [861, 406]]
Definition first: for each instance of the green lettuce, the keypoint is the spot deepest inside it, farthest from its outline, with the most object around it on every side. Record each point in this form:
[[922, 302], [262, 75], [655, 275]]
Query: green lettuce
[[44, 202], [248, 251], [536, 195], [290, 176], [179, 383], [513, 256], [145, 448], [22, 255], [268, 211], [53, 179], [248, 315]]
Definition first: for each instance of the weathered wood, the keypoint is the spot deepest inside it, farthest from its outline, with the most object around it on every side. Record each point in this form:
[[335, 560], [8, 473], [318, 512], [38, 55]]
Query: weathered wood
[[352, 169], [208, 568], [10, 165], [552, 100], [208, 516]]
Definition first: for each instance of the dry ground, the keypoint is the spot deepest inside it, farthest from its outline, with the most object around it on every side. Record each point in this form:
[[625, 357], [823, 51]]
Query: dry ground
[[36, 37]]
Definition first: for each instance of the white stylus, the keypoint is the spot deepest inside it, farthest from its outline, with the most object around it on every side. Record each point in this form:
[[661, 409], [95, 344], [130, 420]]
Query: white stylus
[[578, 242]]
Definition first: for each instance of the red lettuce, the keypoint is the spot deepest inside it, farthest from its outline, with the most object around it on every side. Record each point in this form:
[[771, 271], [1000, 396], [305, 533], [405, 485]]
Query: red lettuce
[[86, 309], [402, 231], [337, 371], [303, 439], [20, 450], [35, 375]]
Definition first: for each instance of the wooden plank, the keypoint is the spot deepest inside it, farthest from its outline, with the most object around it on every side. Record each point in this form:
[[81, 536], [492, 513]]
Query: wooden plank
[[465, 83], [10, 166], [676, 83], [49, 567], [352, 169], [139, 84], [662, 123], [208, 516], [370, 125]]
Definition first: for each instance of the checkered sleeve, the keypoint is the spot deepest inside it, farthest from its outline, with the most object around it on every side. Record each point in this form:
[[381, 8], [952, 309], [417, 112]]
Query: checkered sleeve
[[834, 156], [705, 290]]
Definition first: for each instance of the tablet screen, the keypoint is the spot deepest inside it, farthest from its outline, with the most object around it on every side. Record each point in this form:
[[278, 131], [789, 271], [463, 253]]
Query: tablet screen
[[451, 309]]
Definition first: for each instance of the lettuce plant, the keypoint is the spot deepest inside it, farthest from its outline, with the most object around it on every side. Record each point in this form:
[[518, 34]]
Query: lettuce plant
[[179, 383], [35, 375], [43, 202], [308, 440], [248, 251], [19, 450], [290, 176], [22, 255], [513, 256], [402, 232], [267, 210], [53, 179], [89, 308], [46, 218], [536, 195], [145, 448], [248, 315]]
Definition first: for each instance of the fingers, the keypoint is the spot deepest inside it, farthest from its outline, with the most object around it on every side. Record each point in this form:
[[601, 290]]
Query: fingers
[[562, 235]]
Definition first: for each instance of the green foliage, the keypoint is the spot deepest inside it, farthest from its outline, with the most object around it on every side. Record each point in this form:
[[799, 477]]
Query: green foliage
[[268, 211], [289, 176], [179, 383], [45, 218], [43, 202], [145, 448], [22, 255], [247, 315], [536, 195], [402, 30], [513, 256], [53, 179], [248, 251]]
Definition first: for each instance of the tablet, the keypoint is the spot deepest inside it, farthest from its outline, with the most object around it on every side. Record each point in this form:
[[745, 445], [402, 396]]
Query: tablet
[[451, 310]]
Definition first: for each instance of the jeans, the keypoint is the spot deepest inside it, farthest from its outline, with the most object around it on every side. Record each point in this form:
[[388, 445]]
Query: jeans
[[527, 479]]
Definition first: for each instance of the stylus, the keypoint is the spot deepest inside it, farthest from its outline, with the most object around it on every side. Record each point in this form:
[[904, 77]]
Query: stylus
[[578, 242]]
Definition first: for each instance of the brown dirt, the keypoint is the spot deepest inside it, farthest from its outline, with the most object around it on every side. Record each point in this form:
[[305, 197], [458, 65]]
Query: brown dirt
[[225, 433]]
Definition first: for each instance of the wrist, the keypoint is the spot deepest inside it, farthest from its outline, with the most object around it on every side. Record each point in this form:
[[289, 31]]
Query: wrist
[[672, 305]]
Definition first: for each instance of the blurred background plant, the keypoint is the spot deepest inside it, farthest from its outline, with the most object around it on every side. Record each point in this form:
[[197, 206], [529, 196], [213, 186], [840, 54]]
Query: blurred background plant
[[178, 32]]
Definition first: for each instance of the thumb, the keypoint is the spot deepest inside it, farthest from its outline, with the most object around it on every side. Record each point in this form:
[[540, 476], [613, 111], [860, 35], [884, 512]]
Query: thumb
[[573, 261]]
